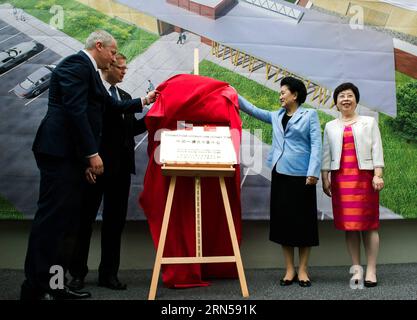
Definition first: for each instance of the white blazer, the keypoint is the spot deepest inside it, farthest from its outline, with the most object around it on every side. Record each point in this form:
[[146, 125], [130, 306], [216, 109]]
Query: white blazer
[[368, 144]]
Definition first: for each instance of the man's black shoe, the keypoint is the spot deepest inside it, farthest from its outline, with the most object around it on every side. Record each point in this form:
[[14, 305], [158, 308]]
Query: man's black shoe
[[46, 296], [76, 283], [67, 293], [29, 293], [112, 283]]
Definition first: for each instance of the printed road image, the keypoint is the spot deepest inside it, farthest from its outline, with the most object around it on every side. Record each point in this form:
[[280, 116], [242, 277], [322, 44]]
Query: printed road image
[[19, 120]]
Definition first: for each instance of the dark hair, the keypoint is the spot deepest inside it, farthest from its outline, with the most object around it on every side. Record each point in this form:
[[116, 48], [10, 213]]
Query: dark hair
[[295, 86], [346, 86]]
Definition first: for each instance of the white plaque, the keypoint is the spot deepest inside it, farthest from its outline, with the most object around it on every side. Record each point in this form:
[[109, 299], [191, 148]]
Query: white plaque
[[198, 145]]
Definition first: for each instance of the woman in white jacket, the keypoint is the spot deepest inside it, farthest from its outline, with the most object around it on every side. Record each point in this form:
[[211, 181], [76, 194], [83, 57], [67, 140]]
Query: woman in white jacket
[[352, 152]]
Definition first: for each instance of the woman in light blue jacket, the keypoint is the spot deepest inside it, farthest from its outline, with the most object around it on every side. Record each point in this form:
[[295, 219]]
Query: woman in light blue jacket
[[295, 160]]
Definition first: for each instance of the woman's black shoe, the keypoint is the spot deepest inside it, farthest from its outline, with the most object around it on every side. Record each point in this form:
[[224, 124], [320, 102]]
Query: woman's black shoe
[[304, 283], [370, 284], [283, 282]]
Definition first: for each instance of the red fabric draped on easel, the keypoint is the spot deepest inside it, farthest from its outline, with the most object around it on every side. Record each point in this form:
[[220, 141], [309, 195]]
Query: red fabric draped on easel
[[197, 100]]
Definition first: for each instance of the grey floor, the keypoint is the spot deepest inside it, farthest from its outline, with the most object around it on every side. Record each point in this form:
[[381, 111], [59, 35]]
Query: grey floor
[[396, 282]]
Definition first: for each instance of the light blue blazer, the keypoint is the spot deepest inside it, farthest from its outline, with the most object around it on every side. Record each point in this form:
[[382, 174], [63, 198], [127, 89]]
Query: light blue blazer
[[297, 151]]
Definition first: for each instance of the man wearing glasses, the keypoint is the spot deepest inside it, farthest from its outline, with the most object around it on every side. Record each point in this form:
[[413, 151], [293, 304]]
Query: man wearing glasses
[[117, 151]]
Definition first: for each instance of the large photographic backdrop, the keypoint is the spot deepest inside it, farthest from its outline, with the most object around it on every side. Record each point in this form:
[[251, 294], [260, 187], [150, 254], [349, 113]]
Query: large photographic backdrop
[[251, 45]]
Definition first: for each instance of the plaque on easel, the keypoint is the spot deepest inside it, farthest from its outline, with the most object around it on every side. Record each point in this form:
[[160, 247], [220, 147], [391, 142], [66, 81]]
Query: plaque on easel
[[199, 151], [198, 145]]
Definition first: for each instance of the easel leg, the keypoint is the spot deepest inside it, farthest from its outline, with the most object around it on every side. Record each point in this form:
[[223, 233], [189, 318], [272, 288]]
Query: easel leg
[[162, 238], [198, 227], [233, 237]]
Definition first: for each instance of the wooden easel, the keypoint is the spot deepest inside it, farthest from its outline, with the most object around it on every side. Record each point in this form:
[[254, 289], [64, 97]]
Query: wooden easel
[[197, 173]]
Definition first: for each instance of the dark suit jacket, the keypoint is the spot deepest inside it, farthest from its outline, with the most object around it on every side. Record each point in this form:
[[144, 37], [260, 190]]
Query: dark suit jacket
[[117, 147], [72, 127]]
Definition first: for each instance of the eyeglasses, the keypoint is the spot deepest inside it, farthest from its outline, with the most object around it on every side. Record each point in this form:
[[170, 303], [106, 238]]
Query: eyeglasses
[[120, 67]]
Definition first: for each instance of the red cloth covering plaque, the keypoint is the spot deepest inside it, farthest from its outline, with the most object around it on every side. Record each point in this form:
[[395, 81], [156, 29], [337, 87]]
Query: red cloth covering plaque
[[200, 101]]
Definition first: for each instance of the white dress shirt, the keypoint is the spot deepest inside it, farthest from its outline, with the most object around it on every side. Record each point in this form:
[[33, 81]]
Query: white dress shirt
[[91, 59], [108, 85]]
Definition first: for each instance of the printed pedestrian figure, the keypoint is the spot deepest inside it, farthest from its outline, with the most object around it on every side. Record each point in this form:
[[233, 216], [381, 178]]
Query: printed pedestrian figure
[[151, 86], [179, 41], [183, 37], [19, 14]]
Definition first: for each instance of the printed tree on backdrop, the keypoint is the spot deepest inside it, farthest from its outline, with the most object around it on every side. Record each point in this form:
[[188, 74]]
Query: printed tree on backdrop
[[405, 124]]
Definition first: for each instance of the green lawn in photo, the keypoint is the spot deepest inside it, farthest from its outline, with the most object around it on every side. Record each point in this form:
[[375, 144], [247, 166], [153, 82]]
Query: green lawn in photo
[[81, 20], [401, 78], [8, 211], [400, 174], [400, 193]]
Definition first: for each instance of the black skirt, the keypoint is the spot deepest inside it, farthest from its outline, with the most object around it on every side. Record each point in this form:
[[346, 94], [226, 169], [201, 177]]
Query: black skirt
[[293, 216]]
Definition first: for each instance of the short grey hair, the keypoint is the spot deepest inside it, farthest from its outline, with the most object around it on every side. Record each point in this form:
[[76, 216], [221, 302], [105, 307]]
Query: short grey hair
[[98, 35]]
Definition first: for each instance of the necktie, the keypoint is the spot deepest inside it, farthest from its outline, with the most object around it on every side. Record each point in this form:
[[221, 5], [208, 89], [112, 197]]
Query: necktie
[[113, 92], [114, 95]]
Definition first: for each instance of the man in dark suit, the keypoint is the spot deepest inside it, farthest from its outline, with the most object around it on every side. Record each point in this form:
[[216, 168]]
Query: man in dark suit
[[66, 142], [117, 151]]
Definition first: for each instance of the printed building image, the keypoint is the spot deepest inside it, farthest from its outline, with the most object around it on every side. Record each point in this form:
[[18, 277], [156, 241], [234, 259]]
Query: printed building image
[[275, 43], [397, 17]]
